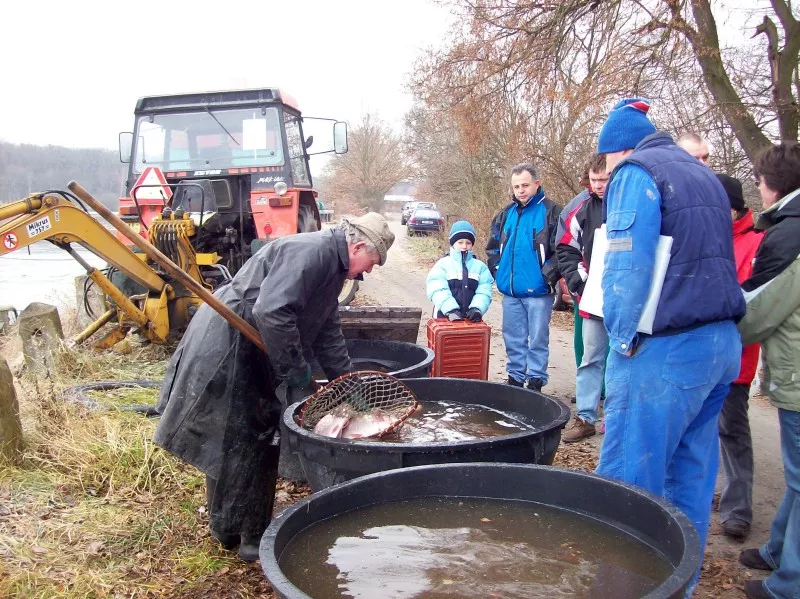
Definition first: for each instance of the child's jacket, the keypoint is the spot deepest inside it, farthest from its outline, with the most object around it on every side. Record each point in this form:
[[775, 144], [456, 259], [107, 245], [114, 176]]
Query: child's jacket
[[459, 282]]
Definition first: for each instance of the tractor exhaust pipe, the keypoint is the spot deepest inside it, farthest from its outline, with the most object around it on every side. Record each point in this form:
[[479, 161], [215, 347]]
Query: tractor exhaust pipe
[[173, 269]]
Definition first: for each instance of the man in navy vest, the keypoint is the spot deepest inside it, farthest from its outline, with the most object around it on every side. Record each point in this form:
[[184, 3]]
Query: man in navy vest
[[664, 391]]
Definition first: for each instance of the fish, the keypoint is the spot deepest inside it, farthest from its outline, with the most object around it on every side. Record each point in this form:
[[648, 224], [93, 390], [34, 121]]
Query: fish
[[334, 422], [372, 424]]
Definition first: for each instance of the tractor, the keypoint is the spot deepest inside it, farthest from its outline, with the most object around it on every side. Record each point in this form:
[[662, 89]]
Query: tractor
[[236, 161]]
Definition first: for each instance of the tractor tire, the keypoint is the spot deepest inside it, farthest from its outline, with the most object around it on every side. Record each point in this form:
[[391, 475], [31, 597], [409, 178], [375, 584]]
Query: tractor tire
[[348, 292], [306, 223]]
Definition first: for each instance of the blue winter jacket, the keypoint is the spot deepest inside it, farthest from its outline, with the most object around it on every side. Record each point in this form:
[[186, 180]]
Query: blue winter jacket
[[521, 247], [459, 281]]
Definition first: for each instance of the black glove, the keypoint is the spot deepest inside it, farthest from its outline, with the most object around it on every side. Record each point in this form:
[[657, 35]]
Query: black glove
[[454, 315], [474, 315]]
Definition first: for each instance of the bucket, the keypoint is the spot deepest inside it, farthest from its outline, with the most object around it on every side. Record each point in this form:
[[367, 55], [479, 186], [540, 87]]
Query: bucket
[[327, 461], [643, 517]]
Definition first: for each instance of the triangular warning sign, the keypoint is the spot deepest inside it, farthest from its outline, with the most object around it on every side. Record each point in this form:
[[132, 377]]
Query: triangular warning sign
[[151, 185]]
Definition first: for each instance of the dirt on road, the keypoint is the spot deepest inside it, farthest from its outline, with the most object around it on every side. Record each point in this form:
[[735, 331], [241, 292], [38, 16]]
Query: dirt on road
[[401, 282]]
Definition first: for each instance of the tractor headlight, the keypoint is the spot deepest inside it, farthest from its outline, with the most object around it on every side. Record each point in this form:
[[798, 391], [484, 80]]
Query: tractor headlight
[[281, 188]]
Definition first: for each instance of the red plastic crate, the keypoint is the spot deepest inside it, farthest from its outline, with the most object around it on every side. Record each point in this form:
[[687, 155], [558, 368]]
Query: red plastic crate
[[461, 348]]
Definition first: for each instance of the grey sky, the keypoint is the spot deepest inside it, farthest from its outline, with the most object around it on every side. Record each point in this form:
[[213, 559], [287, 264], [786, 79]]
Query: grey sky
[[72, 71]]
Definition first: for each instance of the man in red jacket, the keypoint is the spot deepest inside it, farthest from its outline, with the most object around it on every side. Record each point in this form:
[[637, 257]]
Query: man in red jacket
[[736, 449]]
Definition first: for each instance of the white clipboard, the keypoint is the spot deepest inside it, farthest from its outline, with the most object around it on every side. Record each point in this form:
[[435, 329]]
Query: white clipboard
[[592, 298]]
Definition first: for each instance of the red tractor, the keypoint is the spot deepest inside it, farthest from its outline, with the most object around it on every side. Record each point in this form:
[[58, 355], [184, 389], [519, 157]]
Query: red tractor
[[235, 161]]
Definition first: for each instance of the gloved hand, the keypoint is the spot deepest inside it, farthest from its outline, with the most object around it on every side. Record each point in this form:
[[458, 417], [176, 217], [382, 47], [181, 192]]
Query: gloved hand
[[454, 315], [300, 378], [474, 315]]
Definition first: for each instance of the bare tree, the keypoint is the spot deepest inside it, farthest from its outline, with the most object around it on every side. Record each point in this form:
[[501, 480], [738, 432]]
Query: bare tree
[[375, 161]]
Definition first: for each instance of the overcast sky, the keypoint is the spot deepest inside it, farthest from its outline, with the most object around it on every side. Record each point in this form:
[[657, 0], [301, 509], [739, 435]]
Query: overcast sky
[[72, 71]]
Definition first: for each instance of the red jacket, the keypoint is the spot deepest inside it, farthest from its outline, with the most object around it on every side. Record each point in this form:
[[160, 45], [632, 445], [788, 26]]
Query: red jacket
[[745, 244]]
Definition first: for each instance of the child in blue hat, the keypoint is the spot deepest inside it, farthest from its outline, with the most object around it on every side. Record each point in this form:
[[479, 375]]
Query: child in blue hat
[[460, 285]]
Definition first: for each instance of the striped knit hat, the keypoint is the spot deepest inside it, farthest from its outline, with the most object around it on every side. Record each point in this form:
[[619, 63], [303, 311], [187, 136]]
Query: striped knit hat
[[461, 229]]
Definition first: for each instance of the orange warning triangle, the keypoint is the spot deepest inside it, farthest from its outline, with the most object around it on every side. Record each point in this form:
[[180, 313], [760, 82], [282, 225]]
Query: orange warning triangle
[[151, 185]]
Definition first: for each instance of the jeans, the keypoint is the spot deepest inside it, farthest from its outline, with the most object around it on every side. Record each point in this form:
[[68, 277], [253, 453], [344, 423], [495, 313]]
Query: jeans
[[782, 551], [661, 416], [526, 333], [589, 382], [736, 454]]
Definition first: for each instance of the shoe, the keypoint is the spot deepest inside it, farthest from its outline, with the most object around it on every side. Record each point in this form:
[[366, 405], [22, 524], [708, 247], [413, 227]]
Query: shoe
[[736, 529], [755, 590], [248, 550], [535, 385], [752, 559], [580, 429], [227, 541], [514, 382]]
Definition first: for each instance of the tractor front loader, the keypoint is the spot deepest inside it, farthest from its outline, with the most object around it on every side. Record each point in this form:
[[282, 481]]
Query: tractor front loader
[[167, 303]]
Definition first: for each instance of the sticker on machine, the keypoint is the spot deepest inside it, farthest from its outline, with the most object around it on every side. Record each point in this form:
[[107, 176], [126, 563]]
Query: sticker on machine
[[10, 241], [38, 227]]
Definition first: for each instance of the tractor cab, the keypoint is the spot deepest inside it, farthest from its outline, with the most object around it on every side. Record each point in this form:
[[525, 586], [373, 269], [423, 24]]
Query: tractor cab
[[235, 161]]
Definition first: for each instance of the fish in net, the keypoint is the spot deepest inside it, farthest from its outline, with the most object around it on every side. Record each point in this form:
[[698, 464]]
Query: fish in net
[[358, 405]]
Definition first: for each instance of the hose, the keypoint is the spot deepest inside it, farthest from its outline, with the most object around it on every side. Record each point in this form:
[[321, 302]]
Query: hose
[[78, 394]]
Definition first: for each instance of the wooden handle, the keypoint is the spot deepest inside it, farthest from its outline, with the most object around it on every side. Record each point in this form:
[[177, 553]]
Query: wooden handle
[[173, 269]]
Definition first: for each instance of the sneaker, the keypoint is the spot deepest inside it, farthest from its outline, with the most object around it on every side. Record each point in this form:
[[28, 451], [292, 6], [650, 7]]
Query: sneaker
[[754, 589], [752, 559], [580, 429], [736, 529], [248, 550], [535, 384], [514, 382]]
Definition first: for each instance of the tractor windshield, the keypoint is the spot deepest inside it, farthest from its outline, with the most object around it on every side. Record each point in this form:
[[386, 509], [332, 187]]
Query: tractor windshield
[[213, 139]]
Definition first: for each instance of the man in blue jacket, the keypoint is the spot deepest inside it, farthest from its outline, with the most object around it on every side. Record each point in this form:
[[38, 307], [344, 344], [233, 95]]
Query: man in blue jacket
[[521, 257], [664, 391]]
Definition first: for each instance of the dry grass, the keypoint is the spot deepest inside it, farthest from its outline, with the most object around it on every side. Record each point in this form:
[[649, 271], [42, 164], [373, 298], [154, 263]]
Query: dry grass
[[95, 509], [427, 249]]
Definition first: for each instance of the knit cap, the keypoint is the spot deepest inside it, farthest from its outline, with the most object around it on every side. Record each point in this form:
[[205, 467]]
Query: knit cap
[[461, 229], [626, 126], [733, 187]]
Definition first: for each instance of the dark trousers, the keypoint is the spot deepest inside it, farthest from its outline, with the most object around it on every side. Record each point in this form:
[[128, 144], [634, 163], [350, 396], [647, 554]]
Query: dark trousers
[[736, 453]]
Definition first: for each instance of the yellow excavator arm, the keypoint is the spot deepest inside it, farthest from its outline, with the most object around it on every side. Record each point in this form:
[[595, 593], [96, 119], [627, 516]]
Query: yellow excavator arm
[[56, 219]]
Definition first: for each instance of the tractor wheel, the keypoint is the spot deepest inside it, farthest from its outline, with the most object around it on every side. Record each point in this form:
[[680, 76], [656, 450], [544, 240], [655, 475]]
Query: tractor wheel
[[348, 292], [306, 223]]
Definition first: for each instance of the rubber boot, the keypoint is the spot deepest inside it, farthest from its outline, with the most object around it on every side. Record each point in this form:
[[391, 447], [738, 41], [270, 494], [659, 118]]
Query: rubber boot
[[228, 541], [248, 549], [289, 466]]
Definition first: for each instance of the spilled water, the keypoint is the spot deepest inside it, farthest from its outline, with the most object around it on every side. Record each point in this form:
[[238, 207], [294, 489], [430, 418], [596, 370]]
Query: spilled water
[[450, 422], [436, 548]]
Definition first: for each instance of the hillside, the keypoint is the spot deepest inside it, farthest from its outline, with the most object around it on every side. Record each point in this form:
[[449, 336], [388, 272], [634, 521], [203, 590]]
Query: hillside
[[27, 168]]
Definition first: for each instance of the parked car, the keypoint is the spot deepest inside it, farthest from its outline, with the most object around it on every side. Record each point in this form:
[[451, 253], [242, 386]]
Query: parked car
[[425, 220], [409, 208], [563, 298]]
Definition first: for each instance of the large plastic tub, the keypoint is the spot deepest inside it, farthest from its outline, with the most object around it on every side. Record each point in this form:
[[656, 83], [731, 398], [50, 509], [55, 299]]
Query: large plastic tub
[[398, 358], [328, 461], [645, 517]]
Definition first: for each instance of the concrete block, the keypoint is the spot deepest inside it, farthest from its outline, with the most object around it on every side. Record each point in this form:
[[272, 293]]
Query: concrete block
[[10, 424], [41, 334]]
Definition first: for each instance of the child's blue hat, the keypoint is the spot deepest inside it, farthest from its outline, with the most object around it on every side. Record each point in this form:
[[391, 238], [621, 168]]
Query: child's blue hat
[[626, 126], [461, 229]]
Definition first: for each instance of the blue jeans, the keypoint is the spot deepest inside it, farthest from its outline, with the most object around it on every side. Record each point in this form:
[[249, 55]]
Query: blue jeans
[[526, 333], [782, 551], [661, 414], [589, 382]]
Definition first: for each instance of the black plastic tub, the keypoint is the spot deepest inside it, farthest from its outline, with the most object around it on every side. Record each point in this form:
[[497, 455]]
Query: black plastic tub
[[328, 461], [648, 519], [398, 358]]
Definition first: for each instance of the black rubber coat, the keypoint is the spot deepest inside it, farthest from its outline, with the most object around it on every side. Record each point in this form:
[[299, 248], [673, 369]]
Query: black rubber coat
[[218, 404]]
